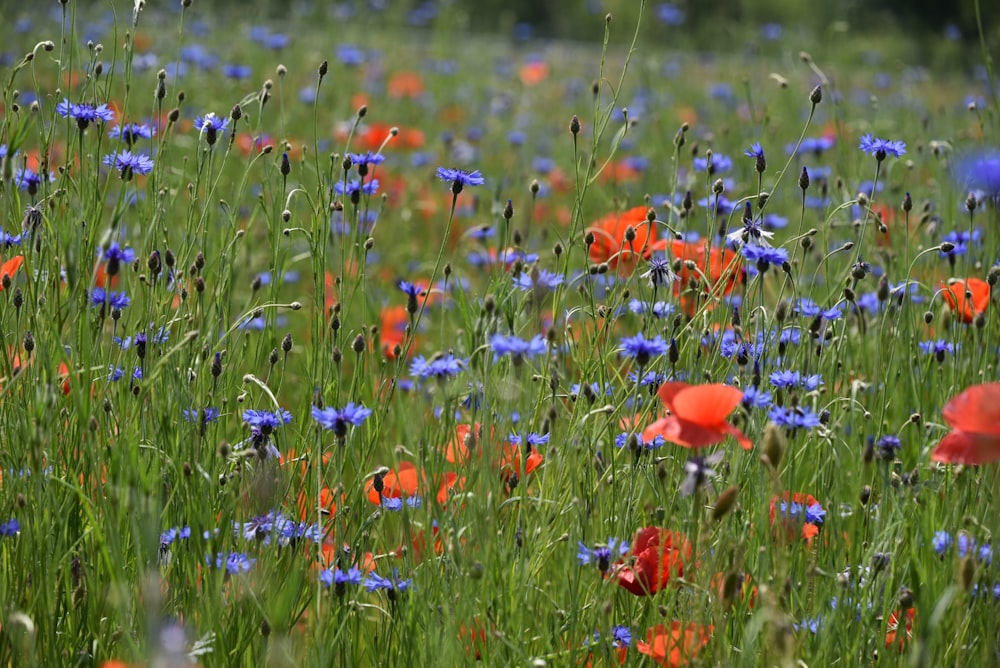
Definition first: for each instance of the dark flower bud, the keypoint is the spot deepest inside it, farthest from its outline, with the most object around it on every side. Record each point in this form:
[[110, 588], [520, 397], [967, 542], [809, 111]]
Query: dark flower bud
[[286, 165], [718, 187], [816, 96], [508, 210], [688, 202], [174, 115], [286, 343], [236, 113], [928, 317], [324, 67], [256, 283], [336, 355], [574, 125], [804, 179], [358, 346], [970, 202], [18, 299], [907, 203], [29, 343], [217, 365]]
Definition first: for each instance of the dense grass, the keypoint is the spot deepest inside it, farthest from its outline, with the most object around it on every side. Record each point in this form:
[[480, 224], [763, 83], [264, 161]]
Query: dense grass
[[141, 487]]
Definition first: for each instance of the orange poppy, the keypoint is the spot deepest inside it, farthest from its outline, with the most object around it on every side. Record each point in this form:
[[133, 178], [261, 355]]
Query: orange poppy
[[372, 138], [392, 330], [955, 292], [676, 644], [610, 244], [974, 416], [534, 73], [406, 84], [658, 554], [395, 485], [9, 268], [892, 628], [510, 461], [697, 415]]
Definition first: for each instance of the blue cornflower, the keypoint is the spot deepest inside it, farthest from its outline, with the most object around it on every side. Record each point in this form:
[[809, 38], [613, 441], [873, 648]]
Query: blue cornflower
[[621, 636], [538, 279], [460, 178], [128, 163], [812, 513], [210, 414], [375, 582], [811, 309], [764, 256], [641, 349], [986, 554], [116, 300], [941, 541], [966, 544], [266, 421], [888, 446], [210, 122], [26, 179], [131, 132], [755, 151], [650, 378], [621, 440], [797, 417], [670, 14], [84, 113], [601, 554], [355, 188], [395, 504], [337, 419], [534, 440], [811, 625], [235, 563], [366, 158], [880, 148], [517, 348], [115, 253], [979, 170], [8, 240], [338, 577], [937, 348], [720, 163], [232, 71], [752, 231], [783, 379], [115, 373], [10, 528], [660, 273], [440, 367], [659, 309], [756, 398]]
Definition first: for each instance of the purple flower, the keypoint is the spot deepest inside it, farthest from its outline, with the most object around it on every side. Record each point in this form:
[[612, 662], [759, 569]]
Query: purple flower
[[641, 349], [341, 578], [460, 178], [116, 300], [764, 256], [622, 439], [232, 71], [941, 541], [205, 415], [796, 417], [540, 279], [660, 274], [601, 554], [880, 148], [440, 367], [755, 398], [10, 528], [375, 582], [84, 113], [128, 163], [517, 348], [266, 421], [131, 132], [355, 188], [337, 419], [235, 563]]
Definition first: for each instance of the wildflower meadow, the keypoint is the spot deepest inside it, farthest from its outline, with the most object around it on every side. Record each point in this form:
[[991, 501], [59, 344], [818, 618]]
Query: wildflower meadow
[[342, 335]]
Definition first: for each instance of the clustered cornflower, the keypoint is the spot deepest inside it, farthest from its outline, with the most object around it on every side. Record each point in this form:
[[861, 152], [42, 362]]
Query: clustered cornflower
[[641, 349], [100, 297], [440, 367], [128, 164], [84, 113], [517, 348]]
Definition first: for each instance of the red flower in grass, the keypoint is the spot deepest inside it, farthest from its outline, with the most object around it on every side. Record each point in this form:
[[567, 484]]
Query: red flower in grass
[[974, 416], [657, 555], [407, 482], [697, 415], [610, 243], [966, 309], [675, 644], [892, 634], [9, 268]]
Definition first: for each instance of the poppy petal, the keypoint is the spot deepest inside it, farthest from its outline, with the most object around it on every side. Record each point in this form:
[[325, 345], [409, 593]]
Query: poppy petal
[[968, 449], [706, 405], [976, 410]]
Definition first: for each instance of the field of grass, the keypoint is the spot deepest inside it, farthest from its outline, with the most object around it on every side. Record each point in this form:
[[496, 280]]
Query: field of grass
[[367, 341]]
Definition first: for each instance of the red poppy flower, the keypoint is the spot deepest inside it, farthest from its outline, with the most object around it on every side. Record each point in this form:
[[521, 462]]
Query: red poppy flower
[[395, 485], [657, 555], [974, 416], [406, 84], [955, 295], [394, 320], [610, 244], [9, 268], [534, 73], [676, 644], [697, 415], [892, 629], [510, 461]]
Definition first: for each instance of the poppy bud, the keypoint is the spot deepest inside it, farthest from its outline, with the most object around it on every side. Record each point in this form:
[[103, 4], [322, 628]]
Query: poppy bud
[[774, 446], [725, 503]]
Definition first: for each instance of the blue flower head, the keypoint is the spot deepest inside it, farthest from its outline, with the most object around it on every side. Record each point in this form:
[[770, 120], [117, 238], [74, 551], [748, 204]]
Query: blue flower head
[[460, 178], [266, 421], [338, 419], [517, 348], [880, 148], [84, 114], [641, 349], [128, 164]]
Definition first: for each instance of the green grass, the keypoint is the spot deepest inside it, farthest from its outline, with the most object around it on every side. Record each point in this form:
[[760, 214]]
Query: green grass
[[97, 470]]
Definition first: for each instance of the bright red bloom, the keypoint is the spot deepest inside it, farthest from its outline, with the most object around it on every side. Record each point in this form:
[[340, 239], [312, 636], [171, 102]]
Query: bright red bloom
[[974, 416], [9, 268], [395, 485], [676, 644], [658, 554], [610, 244], [892, 629], [697, 415], [954, 295]]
